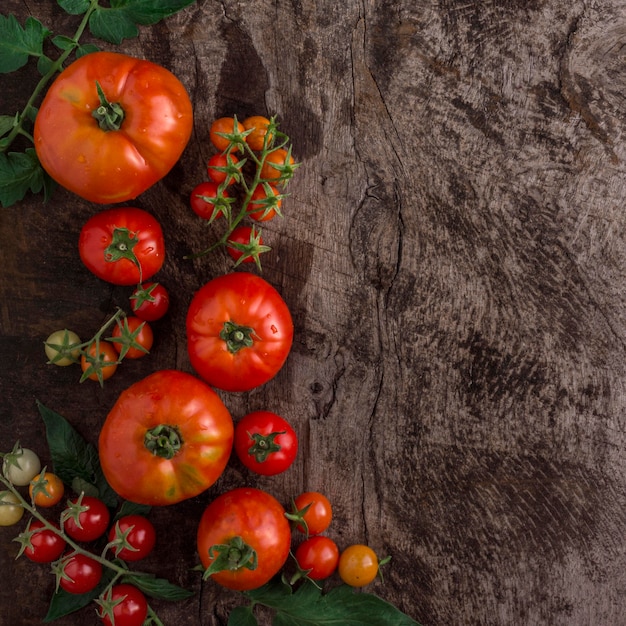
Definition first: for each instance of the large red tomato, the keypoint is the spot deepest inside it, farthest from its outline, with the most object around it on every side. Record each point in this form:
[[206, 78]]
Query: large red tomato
[[243, 538], [239, 331], [123, 246], [111, 125], [167, 438]]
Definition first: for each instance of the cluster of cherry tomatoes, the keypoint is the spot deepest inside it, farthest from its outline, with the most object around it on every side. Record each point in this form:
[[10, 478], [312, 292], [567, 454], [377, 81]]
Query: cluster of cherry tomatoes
[[84, 523]]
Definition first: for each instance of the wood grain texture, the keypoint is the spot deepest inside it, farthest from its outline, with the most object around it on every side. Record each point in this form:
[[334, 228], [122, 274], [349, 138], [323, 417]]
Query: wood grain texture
[[453, 252]]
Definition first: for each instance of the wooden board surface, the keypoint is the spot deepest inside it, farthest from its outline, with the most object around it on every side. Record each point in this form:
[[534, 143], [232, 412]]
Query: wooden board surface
[[453, 253]]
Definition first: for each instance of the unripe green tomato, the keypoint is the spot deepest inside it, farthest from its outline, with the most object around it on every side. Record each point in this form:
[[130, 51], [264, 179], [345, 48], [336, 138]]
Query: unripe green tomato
[[10, 513], [58, 345], [21, 466]]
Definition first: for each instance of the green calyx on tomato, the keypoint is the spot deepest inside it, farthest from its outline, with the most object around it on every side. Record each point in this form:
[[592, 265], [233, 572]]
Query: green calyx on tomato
[[237, 336], [121, 247], [164, 441], [109, 115], [231, 557], [264, 445]]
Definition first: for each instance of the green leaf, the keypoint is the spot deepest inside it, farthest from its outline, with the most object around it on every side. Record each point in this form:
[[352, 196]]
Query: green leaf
[[44, 64], [73, 457], [242, 616], [74, 7], [132, 508], [63, 43], [7, 122], [87, 48], [19, 172], [308, 606], [112, 25], [151, 11], [159, 588], [17, 43]]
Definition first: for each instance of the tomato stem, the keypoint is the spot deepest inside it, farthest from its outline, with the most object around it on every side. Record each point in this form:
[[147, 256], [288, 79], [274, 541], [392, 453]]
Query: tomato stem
[[163, 440], [109, 115], [236, 336], [232, 556]]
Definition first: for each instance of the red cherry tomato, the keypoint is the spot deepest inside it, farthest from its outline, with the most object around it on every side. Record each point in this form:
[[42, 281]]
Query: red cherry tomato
[[138, 532], [264, 202], [208, 201], [81, 574], [130, 606], [86, 519], [318, 554], [265, 443], [217, 165], [45, 545], [245, 240], [150, 301], [317, 516], [142, 336]]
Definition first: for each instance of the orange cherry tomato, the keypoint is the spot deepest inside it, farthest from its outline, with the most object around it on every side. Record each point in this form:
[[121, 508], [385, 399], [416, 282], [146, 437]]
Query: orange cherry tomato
[[273, 162], [51, 492], [358, 565], [224, 125], [259, 125], [105, 362]]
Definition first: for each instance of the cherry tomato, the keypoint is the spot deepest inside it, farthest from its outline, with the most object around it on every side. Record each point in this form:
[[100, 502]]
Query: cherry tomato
[[358, 565], [216, 167], [167, 438], [317, 516], [45, 545], [142, 336], [239, 331], [138, 532], [224, 125], [265, 443], [262, 199], [59, 347], [102, 366], [245, 240], [123, 246], [247, 523], [46, 491], [276, 165], [11, 511], [77, 137], [150, 301], [130, 606], [86, 518], [81, 574], [21, 465], [205, 200], [318, 554], [256, 138]]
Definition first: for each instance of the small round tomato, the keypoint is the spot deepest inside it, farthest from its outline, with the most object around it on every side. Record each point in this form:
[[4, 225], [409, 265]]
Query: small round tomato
[[11, 511], [243, 538], [111, 125], [86, 518], [46, 490], [21, 465], [218, 166], [80, 574], [123, 246], [239, 331], [265, 443], [208, 201], [264, 201], [224, 126], [102, 366], [245, 244], [256, 138], [318, 556], [134, 537], [168, 437], [150, 301], [62, 347], [358, 565], [132, 338], [44, 544], [277, 165], [129, 606], [314, 512]]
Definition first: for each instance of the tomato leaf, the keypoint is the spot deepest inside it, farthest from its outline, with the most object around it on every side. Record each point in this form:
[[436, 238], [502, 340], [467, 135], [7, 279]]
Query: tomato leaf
[[18, 43], [151, 11], [19, 172], [159, 588], [308, 606], [242, 616], [73, 457], [112, 25], [74, 7]]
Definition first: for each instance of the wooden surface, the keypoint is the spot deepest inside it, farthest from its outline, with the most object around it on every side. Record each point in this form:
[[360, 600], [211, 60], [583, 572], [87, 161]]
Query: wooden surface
[[453, 254]]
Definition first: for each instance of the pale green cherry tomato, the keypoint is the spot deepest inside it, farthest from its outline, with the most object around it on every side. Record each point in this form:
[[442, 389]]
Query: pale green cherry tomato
[[12, 512], [62, 347], [21, 465]]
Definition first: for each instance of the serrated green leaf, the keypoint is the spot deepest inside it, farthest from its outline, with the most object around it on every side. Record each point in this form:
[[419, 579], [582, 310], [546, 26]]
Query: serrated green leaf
[[152, 11], [44, 64], [7, 122], [73, 457], [18, 43], [88, 48], [74, 7], [19, 173], [159, 588], [63, 43], [112, 25], [242, 616]]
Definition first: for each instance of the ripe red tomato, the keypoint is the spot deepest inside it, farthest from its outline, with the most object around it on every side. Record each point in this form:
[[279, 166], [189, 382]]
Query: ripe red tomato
[[239, 331], [81, 574], [245, 240], [265, 442], [262, 201], [247, 523], [142, 336], [129, 606], [150, 301], [123, 246], [101, 367], [315, 510], [207, 200], [217, 165], [76, 134], [318, 554], [45, 545], [87, 519], [167, 438], [140, 534], [224, 125]]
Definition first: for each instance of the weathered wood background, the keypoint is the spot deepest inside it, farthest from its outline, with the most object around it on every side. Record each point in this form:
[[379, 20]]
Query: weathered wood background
[[453, 252]]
